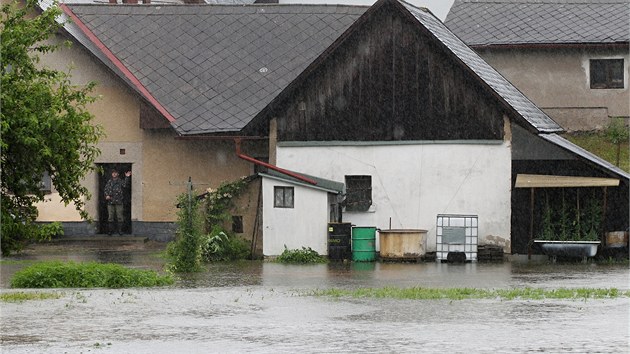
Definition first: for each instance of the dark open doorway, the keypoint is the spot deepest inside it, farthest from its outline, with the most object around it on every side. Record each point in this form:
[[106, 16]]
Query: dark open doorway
[[104, 176]]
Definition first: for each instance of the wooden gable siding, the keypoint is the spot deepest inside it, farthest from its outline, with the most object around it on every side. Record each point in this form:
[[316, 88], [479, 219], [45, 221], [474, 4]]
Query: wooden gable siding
[[389, 81]]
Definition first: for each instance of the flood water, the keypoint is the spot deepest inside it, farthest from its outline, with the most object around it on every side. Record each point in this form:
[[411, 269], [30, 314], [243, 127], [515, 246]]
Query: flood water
[[263, 307]]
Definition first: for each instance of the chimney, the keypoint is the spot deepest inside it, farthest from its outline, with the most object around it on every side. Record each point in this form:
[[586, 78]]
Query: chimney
[[130, 1], [112, 1]]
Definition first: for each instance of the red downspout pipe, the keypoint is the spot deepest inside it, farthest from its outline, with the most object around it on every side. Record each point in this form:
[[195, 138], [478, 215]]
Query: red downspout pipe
[[237, 141]]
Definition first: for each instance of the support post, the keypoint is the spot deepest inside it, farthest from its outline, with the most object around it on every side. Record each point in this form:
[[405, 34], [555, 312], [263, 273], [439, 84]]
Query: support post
[[531, 224]]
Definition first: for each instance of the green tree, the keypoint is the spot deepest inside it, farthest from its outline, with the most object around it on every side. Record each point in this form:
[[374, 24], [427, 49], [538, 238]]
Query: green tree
[[45, 125]]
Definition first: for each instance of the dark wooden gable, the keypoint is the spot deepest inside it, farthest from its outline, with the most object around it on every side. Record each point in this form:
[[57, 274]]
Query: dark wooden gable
[[389, 80]]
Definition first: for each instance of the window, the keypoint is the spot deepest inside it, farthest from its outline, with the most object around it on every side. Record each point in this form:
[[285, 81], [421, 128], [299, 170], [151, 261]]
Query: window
[[237, 224], [283, 197], [358, 193], [46, 183], [607, 73]]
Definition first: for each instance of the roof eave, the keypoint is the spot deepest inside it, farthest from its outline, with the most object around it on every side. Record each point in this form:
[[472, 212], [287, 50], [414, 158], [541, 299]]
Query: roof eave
[[586, 155], [563, 45]]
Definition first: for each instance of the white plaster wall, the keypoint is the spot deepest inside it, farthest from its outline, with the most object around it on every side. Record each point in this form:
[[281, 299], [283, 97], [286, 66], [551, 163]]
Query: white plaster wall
[[411, 184], [305, 225]]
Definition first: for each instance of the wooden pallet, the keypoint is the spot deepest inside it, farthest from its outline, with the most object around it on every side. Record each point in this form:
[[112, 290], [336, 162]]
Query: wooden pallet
[[490, 253]]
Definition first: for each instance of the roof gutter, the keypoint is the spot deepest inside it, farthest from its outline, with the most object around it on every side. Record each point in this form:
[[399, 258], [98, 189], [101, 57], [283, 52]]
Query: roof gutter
[[237, 141], [623, 45]]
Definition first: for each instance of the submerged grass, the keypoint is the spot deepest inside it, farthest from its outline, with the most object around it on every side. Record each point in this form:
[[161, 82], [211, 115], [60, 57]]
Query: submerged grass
[[55, 274], [418, 293], [24, 296]]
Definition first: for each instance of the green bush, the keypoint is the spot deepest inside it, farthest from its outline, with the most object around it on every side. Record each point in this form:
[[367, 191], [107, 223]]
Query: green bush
[[186, 249], [218, 202], [219, 246], [56, 274], [303, 256]]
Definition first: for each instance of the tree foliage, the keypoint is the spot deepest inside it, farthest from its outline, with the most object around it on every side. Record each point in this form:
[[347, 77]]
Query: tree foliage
[[45, 125], [617, 133]]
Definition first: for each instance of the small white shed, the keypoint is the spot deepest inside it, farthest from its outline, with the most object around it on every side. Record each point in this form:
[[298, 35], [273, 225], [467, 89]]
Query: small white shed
[[296, 212]]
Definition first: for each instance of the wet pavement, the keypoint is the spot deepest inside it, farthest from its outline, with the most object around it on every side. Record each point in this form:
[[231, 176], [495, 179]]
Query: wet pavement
[[261, 307]]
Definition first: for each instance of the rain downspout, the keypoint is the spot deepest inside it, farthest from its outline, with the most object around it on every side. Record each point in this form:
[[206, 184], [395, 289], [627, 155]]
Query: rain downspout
[[237, 141]]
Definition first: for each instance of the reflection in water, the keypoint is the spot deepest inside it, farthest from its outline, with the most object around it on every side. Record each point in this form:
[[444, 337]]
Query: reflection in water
[[260, 307], [334, 274]]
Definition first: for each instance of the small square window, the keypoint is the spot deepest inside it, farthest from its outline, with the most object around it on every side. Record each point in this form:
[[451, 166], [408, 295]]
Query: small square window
[[283, 197], [358, 193], [607, 73], [237, 224]]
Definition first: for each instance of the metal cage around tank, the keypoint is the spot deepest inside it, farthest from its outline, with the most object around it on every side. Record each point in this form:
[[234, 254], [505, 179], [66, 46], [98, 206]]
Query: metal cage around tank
[[456, 235]]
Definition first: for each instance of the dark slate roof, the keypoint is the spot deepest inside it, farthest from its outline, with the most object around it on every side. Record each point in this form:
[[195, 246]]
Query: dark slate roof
[[512, 22], [586, 155], [322, 183], [215, 67], [521, 104]]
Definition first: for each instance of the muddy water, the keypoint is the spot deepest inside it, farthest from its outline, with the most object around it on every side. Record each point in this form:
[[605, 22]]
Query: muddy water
[[260, 307]]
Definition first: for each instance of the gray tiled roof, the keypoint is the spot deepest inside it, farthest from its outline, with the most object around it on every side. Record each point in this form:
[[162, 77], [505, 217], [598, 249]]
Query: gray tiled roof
[[215, 67], [509, 22], [521, 104]]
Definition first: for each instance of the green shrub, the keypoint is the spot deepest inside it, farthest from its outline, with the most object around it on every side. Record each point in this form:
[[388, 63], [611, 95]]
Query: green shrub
[[303, 256], [55, 274], [219, 246], [219, 201], [186, 248]]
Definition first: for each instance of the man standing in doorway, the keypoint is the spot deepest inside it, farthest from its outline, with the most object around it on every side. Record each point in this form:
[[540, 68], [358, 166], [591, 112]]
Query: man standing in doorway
[[114, 196]]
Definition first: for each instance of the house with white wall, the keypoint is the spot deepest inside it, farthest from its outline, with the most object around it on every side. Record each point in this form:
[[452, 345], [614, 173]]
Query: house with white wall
[[384, 100]]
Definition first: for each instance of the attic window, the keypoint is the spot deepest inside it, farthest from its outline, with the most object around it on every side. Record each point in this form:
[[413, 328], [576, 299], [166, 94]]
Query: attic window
[[358, 193], [606, 73]]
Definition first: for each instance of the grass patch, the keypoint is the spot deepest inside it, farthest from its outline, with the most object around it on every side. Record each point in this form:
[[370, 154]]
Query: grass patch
[[24, 296], [597, 143], [417, 293], [55, 274], [300, 256]]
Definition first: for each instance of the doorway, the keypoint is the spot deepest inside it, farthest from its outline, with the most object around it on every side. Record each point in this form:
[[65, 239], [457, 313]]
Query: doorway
[[104, 176]]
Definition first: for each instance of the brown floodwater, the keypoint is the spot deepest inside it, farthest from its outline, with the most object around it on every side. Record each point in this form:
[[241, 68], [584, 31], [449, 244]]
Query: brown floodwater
[[263, 307]]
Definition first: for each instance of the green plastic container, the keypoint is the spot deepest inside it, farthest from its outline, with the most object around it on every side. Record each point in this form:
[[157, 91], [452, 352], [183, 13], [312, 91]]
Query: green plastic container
[[364, 244]]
